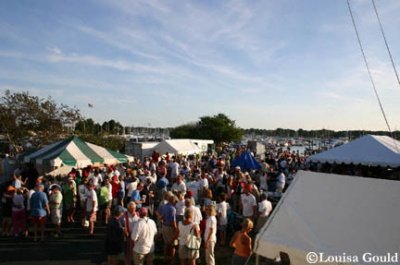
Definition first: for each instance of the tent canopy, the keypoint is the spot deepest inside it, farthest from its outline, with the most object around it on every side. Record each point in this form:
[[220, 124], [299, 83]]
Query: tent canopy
[[246, 161], [370, 150], [333, 214], [177, 146], [73, 151]]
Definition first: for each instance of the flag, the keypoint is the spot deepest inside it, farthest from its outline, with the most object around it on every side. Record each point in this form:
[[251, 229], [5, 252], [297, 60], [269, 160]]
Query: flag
[[90, 105]]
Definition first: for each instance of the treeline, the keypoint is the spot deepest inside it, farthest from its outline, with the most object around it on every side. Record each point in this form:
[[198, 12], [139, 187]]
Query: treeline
[[317, 133]]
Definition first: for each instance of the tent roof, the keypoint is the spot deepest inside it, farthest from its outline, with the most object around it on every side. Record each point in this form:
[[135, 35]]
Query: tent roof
[[177, 146], [333, 214], [73, 151], [246, 161], [371, 150]]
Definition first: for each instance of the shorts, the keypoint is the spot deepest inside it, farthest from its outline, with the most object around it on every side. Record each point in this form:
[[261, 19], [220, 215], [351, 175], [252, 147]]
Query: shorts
[[185, 253], [91, 217], [140, 259], [40, 220], [55, 216], [168, 233]]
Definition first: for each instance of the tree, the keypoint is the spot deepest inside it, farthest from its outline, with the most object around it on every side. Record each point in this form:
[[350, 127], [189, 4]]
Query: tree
[[25, 116], [184, 131], [218, 128]]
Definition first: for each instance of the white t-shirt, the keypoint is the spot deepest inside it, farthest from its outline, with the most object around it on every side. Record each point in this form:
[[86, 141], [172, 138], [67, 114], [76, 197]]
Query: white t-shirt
[[143, 234], [248, 201], [96, 180], [110, 192], [263, 183], [184, 231], [180, 207], [203, 183], [193, 186], [281, 181], [174, 169], [82, 189], [179, 187], [132, 220], [264, 208], [197, 216], [91, 197], [131, 187], [211, 223], [222, 210]]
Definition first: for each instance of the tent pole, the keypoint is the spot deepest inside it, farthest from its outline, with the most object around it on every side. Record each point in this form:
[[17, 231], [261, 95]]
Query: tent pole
[[257, 260]]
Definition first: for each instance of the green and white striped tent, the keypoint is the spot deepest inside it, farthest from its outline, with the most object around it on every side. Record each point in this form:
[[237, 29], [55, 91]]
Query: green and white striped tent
[[75, 152]]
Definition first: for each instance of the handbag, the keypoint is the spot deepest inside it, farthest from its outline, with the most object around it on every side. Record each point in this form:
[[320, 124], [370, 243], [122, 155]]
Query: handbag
[[192, 241]]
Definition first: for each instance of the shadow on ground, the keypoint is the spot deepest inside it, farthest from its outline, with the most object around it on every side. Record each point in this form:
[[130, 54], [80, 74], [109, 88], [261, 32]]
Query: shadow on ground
[[73, 247]]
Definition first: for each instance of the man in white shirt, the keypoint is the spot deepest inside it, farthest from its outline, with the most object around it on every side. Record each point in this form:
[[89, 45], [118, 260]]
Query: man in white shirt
[[179, 185], [248, 203], [143, 235], [91, 207], [264, 209]]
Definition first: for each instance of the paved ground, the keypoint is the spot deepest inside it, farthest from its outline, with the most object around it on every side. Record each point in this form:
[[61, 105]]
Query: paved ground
[[74, 247]]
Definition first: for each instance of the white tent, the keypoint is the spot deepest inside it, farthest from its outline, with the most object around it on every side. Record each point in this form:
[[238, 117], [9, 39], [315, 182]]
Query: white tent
[[336, 215], [370, 150], [177, 146]]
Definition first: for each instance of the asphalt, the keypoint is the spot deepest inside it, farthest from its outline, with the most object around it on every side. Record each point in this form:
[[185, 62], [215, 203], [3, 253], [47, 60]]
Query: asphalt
[[74, 247]]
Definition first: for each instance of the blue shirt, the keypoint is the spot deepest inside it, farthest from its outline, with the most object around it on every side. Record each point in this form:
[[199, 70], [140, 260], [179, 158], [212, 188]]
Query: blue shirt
[[136, 197], [168, 213], [38, 203]]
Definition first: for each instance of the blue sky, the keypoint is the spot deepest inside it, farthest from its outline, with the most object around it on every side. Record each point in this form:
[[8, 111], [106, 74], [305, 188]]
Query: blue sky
[[266, 64]]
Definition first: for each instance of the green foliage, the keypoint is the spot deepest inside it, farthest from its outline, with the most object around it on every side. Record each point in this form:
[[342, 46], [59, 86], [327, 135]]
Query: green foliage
[[112, 142], [184, 131], [323, 133], [218, 128], [25, 116], [89, 127]]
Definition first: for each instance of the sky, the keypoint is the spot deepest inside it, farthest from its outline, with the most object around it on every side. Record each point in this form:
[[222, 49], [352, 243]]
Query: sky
[[265, 64]]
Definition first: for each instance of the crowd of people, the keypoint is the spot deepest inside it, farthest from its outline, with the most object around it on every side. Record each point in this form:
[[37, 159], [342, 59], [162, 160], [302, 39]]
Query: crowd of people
[[167, 201]]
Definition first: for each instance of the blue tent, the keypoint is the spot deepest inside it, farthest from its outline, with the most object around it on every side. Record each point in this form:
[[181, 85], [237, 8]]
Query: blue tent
[[246, 162]]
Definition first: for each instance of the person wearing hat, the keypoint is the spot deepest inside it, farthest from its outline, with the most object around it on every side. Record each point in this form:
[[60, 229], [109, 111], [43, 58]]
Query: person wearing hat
[[115, 237], [39, 210], [143, 234], [55, 200]]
